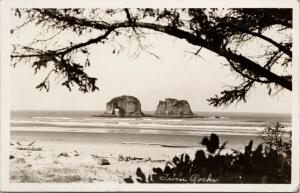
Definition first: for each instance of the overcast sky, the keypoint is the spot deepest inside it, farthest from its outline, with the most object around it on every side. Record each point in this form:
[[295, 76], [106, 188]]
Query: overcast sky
[[178, 74]]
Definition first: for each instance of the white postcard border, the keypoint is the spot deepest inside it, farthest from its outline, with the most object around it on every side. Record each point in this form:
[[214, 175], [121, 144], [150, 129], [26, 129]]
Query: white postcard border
[[5, 97]]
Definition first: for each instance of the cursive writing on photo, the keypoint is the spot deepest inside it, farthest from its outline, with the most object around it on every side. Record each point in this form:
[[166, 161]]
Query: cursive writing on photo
[[195, 178]]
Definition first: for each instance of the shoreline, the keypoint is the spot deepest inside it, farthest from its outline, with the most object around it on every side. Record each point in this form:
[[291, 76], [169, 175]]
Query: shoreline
[[79, 157], [144, 138]]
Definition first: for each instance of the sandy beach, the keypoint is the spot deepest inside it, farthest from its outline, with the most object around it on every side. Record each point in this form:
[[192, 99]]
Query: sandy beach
[[98, 157]]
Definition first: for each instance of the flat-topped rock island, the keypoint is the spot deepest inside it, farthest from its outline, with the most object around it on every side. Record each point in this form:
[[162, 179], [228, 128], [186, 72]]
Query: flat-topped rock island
[[173, 108]]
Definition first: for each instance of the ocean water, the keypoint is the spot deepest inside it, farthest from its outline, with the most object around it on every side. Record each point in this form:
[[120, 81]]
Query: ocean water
[[240, 124]]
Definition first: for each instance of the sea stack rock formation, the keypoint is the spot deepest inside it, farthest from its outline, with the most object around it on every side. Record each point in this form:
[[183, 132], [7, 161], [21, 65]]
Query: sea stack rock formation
[[173, 108], [124, 106]]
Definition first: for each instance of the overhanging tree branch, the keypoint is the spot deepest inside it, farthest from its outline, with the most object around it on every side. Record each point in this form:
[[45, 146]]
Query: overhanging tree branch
[[200, 29], [278, 45], [247, 63]]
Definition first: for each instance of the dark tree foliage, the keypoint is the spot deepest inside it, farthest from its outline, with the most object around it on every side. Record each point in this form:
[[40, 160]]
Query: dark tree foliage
[[259, 165], [225, 32]]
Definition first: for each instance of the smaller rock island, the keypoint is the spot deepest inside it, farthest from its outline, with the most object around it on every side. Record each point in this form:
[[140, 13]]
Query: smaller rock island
[[173, 108], [124, 106]]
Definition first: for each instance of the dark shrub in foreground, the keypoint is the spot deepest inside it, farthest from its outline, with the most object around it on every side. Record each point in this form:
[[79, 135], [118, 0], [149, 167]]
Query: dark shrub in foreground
[[254, 165]]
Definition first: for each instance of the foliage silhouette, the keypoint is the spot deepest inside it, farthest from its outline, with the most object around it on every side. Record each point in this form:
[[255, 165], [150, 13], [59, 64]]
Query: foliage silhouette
[[259, 165]]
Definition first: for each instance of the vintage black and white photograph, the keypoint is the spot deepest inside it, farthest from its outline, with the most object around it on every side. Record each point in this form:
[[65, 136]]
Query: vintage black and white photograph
[[151, 95]]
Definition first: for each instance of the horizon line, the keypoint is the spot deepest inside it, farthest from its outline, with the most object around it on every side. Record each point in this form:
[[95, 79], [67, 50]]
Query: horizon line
[[74, 110]]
